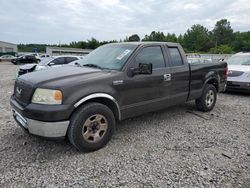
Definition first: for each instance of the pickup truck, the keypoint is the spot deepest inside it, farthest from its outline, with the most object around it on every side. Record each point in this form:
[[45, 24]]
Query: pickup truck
[[114, 82]]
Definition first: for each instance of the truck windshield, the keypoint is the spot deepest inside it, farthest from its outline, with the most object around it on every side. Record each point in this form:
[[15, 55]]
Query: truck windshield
[[239, 60], [109, 56]]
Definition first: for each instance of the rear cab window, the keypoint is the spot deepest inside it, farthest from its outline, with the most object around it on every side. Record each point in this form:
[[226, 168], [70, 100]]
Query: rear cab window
[[175, 57]]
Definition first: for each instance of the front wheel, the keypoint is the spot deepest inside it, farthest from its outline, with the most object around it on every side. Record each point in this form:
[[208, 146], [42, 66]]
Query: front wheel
[[91, 127], [208, 99]]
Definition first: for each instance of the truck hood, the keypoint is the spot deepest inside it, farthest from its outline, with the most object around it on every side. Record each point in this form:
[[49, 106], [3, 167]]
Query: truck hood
[[243, 68], [58, 77]]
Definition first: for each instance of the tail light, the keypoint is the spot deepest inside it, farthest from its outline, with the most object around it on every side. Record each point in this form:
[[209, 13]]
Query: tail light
[[226, 73]]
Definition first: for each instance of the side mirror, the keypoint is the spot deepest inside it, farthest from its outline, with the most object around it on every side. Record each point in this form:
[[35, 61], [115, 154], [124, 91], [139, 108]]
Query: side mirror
[[143, 68]]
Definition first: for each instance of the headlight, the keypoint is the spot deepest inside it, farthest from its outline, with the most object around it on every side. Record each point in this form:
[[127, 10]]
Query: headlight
[[47, 96]]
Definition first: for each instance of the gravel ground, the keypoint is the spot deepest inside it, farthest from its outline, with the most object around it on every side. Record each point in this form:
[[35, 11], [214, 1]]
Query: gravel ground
[[176, 147]]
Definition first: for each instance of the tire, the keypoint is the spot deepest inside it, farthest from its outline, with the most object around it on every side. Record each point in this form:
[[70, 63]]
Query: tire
[[91, 127], [209, 94]]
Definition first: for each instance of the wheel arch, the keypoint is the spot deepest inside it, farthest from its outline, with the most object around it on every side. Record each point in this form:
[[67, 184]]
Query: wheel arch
[[102, 98], [213, 79]]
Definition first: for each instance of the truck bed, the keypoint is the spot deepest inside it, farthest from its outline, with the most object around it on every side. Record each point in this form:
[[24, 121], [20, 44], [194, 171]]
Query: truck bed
[[200, 72]]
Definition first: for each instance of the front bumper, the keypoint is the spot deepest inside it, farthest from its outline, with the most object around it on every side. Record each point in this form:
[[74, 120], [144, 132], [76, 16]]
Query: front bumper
[[41, 121], [40, 128], [238, 86], [40, 112]]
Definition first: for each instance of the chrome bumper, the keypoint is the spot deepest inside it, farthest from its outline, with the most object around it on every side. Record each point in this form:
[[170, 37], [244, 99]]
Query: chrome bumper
[[39, 128]]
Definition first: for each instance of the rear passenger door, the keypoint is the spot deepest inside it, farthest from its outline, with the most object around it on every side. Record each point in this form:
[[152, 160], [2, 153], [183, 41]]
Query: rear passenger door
[[179, 76]]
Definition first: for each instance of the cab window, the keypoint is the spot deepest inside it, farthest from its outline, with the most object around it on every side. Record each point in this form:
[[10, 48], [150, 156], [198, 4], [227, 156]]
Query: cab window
[[175, 56], [152, 54]]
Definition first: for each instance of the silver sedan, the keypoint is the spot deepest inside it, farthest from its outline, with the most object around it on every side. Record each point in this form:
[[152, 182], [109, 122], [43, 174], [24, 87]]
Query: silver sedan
[[239, 72]]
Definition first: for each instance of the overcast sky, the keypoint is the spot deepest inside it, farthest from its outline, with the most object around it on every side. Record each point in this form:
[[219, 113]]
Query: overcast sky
[[51, 21]]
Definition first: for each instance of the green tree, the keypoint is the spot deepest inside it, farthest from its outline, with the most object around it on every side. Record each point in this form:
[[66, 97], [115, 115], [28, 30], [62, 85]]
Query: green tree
[[146, 38], [222, 49], [222, 33], [93, 43], [196, 39], [30, 47], [154, 36], [171, 38], [180, 39], [241, 41], [134, 37]]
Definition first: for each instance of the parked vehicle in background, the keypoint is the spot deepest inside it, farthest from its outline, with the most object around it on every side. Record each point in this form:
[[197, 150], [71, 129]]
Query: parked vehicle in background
[[44, 55], [239, 73], [25, 59], [199, 60], [114, 82], [55, 61], [7, 57]]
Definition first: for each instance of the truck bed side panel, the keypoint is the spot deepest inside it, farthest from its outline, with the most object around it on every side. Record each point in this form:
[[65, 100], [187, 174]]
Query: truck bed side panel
[[201, 73]]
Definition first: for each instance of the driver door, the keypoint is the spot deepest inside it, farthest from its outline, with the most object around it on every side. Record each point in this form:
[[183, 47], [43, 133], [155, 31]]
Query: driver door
[[145, 93]]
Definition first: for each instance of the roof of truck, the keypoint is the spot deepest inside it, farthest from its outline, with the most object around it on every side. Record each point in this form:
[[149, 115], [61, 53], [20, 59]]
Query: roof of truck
[[151, 42]]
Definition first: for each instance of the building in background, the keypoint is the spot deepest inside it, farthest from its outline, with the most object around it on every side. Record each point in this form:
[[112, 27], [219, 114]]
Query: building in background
[[61, 50], [7, 48]]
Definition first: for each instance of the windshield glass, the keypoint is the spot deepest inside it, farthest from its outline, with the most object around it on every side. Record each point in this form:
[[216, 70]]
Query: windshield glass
[[46, 60], [110, 56], [239, 60]]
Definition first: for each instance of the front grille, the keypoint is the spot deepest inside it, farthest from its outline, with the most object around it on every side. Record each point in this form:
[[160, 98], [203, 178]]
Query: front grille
[[23, 92], [232, 73]]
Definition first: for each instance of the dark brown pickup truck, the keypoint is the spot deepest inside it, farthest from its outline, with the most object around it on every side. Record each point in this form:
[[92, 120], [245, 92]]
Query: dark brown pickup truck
[[114, 82]]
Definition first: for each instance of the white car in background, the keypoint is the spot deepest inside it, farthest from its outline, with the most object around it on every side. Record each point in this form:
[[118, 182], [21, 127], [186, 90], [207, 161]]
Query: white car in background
[[239, 72], [46, 63], [7, 57], [44, 56]]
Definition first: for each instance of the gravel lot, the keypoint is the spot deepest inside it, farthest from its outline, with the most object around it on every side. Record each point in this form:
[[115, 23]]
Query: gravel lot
[[176, 147]]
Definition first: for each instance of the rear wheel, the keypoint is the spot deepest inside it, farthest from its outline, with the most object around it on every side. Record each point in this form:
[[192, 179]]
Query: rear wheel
[[91, 127], [208, 99]]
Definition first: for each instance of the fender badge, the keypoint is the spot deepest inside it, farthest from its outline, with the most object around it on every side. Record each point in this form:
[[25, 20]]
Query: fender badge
[[19, 90]]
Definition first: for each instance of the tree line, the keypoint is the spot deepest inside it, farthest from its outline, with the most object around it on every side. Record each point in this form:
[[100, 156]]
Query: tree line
[[197, 39]]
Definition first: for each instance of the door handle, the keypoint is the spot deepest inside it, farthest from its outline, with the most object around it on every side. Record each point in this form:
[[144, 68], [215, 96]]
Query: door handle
[[167, 77]]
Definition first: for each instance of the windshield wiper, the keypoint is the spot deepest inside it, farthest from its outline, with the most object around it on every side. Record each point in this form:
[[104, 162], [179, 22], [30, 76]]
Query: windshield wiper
[[92, 65]]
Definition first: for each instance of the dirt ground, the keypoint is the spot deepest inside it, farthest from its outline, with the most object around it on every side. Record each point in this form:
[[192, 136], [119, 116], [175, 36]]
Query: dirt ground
[[176, 147]]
